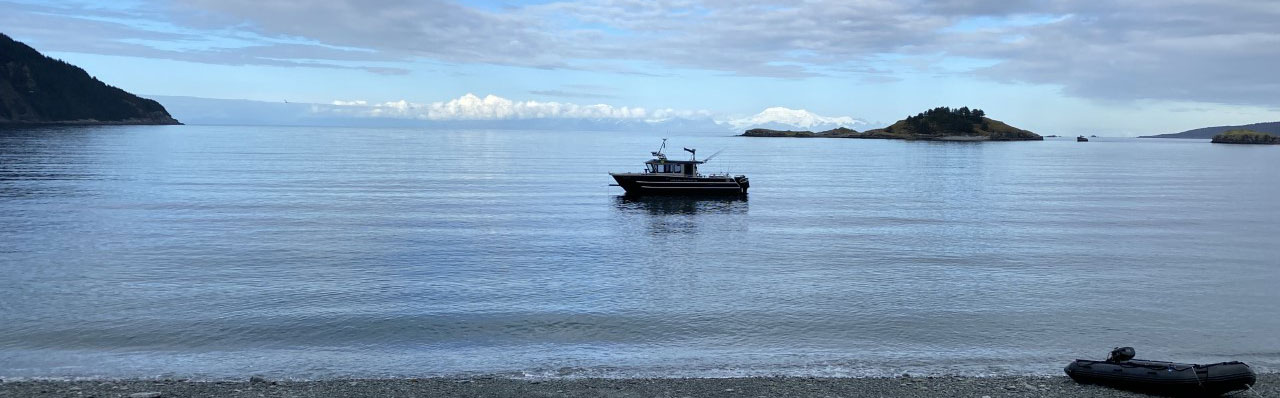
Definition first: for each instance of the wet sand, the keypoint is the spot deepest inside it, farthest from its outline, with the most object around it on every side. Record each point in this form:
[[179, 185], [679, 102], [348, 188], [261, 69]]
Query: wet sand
[[1268, 386]]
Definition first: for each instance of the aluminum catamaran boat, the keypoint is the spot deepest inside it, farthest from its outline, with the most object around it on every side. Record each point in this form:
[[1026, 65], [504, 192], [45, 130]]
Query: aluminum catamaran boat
[[664, 176]]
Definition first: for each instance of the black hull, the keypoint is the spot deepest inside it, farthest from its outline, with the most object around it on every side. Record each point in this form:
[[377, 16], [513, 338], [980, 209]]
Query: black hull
[[674, 185], [1165, 378]]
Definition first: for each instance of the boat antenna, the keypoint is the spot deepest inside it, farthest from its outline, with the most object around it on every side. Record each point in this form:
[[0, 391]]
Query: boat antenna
[[694, 153], [708, 159], [658, 153]]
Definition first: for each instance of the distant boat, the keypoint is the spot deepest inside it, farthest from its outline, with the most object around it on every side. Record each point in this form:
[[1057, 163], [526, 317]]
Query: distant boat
[[1082, 139], [1050, 136], [664, 176], [1093, 136]]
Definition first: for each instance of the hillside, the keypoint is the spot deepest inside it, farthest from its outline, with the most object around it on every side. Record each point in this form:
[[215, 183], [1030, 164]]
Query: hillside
[[1209, 132], [938, 124], [1246, 137], [35, 89]]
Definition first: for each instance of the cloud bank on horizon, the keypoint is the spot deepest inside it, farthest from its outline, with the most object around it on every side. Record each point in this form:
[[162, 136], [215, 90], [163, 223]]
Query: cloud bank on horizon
[[490, 111], [492, 107], [1177, 55]]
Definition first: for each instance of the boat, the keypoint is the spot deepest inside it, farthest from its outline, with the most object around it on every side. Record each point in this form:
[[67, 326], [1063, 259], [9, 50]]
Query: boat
[[1120, 370], [663, 176], [1082, 139]]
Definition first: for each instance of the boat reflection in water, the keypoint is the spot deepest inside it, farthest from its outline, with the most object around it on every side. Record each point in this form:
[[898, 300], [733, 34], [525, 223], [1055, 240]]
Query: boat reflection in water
[[662, 216], [690, 205]]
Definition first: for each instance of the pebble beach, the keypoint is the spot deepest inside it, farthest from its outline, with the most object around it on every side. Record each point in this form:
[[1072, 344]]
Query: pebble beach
[[978, 387]]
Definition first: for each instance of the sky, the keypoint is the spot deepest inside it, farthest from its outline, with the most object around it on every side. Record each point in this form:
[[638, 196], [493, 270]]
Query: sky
[[1118, 68]]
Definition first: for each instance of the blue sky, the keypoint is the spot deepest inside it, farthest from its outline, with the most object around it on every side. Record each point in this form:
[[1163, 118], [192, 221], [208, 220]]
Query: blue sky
[[1055, 67]]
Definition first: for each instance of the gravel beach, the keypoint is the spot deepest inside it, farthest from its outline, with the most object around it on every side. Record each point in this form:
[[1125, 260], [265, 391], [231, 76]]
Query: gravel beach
[[1268, 386]]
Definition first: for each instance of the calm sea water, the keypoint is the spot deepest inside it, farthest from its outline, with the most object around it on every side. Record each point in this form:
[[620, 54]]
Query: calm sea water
[[219, 252]]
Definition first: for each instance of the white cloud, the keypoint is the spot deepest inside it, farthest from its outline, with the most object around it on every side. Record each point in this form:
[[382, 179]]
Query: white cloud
[[1186, 50], [471, 107], [492, 107]]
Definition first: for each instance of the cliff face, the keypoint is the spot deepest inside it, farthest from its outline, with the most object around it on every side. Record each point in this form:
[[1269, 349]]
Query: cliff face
[[35, 89]]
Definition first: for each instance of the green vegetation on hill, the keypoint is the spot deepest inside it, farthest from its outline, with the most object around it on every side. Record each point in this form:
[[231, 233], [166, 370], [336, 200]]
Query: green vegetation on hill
[[37, 89], [943, 120], [1245, 137], [959, 124], [937, 124], [1209, 132]]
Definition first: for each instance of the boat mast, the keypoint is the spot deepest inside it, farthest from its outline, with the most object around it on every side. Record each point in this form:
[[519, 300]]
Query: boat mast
[[658, 154]]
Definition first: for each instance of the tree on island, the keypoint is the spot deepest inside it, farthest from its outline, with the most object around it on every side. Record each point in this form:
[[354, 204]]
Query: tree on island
[[944, 120], [1242, 136]]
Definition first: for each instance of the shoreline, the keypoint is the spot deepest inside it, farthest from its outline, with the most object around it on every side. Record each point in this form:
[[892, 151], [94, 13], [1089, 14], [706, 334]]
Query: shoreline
[[1268, 385]]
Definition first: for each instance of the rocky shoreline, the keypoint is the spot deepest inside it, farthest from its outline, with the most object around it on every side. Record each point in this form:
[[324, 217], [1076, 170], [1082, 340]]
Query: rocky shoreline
[[950, 386], [128, 122]]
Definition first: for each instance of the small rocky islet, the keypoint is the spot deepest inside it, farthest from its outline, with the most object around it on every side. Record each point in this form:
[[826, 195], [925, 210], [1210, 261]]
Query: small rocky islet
[[1246, 137], [937, 124]]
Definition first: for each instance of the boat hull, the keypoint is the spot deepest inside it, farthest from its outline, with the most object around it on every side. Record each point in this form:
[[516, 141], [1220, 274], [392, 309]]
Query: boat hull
[[1165, 378], [659, 184]]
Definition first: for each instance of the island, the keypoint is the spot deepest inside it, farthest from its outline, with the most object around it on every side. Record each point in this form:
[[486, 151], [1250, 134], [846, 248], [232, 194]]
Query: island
[[1246, 137], [1210, 132], [937, 124], [37, 89]]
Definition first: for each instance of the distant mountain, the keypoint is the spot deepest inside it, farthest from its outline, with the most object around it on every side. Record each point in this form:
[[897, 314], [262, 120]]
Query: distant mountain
[[785, 118], [938, 124], [1209, 132], [35, 89]]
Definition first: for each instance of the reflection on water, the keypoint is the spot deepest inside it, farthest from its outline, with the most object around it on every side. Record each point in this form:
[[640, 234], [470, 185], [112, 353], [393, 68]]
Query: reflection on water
[[658, 205], [666, 215]]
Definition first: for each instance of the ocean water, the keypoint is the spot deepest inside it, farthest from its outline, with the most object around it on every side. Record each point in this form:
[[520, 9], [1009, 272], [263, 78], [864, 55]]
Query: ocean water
[[219, 252]]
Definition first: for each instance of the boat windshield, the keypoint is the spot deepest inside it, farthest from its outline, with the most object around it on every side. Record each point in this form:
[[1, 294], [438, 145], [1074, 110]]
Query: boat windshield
[[666, 168]]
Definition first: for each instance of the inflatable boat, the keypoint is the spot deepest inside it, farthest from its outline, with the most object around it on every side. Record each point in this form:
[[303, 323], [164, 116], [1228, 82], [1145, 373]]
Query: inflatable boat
[[1167, 378]]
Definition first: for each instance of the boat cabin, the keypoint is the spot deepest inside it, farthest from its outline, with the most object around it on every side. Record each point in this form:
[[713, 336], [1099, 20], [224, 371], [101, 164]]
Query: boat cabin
[[664, 166]]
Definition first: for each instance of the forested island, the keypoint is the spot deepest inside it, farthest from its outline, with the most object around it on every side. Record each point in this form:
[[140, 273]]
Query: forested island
[[36, 89], [937, 124], [1246, 137]]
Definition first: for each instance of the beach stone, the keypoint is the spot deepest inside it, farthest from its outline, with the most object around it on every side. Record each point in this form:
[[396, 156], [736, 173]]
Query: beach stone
[[151, 394], [257, 379]]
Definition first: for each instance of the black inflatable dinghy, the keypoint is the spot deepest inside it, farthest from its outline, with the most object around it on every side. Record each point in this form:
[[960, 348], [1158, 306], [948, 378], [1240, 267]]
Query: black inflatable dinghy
[[1167, 378]]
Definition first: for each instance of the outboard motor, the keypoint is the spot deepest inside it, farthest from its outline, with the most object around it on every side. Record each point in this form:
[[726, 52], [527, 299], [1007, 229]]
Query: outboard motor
[[1121, 354]]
